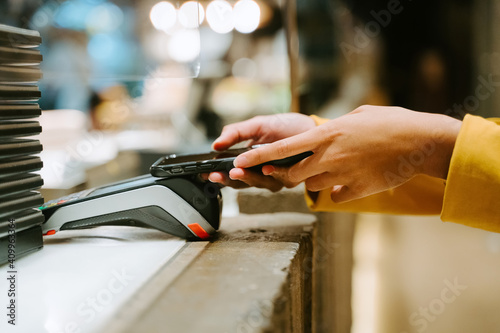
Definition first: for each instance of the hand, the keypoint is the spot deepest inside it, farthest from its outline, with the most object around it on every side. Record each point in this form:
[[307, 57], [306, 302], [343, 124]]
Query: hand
[[364, 152], [260, 129], [263, 129]]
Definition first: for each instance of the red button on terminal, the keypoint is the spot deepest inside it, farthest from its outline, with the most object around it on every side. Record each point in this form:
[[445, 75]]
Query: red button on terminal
[[198, 230]]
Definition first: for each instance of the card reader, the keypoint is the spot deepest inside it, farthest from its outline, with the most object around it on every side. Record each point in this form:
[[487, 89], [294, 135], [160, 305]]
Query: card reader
[[183, 206]]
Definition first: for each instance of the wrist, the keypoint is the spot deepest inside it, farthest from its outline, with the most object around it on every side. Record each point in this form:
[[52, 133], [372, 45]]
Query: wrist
[[440, 146]]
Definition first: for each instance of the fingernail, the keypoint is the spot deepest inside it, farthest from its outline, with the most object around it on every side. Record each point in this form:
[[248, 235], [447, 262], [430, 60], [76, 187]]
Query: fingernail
[[268, 169], [214, 144]]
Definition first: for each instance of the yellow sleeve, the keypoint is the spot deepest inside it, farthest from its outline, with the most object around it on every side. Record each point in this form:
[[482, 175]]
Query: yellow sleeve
[[422, 195], [472, 195]]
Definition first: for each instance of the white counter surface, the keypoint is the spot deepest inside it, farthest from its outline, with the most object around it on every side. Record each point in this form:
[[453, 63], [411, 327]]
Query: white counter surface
[[81, 278]]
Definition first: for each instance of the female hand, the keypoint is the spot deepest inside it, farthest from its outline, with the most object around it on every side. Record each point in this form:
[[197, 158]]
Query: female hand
[[364, 152], [259, 130]]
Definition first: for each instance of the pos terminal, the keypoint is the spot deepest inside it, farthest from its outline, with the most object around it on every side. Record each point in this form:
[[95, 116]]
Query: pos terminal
[[182, 206]]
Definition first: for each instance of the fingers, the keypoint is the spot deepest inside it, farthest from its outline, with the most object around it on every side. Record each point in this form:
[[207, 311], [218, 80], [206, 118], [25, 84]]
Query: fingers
[[240, 178], [338, 194], [238, 132], [311, 168], [255, 179], [277, 150], [279, 174], [274, 178], [223, 179], [321, 182], [342, 193]]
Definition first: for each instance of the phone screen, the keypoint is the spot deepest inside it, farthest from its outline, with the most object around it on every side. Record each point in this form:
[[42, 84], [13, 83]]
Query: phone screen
[[193, 158]]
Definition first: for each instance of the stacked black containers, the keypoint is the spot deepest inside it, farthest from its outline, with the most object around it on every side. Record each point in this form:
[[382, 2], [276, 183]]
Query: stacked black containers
[[20, 220]]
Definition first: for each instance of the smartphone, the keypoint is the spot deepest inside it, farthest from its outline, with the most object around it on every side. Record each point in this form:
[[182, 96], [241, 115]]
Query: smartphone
[[186, 164]]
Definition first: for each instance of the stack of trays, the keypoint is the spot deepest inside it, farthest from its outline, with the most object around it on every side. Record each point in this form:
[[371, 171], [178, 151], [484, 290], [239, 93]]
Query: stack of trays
[[19, 199]]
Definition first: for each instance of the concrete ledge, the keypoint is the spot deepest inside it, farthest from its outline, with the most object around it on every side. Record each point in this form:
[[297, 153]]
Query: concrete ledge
[[251, 278], [332, 259], [259, 201]]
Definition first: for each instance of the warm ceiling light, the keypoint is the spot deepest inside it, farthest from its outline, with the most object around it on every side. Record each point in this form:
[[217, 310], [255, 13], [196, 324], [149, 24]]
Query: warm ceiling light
[[246, 16], [191, 14], [220, 16], [163, 15]]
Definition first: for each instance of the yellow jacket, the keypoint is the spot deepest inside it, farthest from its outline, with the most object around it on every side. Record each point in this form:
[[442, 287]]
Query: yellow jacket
[[470, 195]]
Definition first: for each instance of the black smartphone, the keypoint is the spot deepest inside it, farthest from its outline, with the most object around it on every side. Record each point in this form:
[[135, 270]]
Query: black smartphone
[[186, 164]]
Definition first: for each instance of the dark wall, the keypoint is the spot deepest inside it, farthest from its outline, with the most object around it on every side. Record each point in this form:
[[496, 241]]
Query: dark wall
[[427, 49]]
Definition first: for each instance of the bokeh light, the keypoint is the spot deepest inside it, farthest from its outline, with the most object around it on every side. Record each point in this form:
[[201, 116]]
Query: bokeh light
[[163, 15], [244, 68], [104, 18], [246, 16], [191, 14], [184, 45], [111, 53], [220, 16], [72, 15]]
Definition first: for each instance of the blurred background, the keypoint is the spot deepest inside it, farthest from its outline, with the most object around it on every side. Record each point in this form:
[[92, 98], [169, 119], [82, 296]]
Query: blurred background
[[148, 76], [127, 81]]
